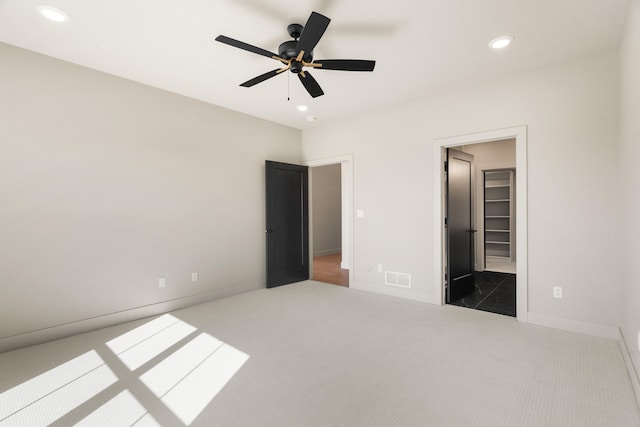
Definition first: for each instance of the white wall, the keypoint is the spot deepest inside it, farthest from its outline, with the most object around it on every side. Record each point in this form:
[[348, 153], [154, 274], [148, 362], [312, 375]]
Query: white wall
[[492, 155], [326, 209], [107, 185], [571, 111], [630, 179], [487, 156]]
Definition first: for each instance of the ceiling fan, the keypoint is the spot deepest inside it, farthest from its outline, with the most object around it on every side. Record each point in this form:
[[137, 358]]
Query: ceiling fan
[[297, 54]]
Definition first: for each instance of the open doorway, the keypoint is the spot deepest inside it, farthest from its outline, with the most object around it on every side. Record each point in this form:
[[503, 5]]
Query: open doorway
[[326, 214], [343, 164], [519, 228], [489, 229], [495, 204]]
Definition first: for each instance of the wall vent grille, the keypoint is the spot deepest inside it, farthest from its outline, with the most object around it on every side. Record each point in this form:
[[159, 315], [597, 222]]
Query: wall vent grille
[[393, 278]]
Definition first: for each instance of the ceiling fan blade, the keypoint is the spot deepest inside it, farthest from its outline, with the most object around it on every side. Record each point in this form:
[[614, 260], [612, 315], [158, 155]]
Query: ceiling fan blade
[[247, 47], [310, 84], [254, 81], [313, 30], [345, 64]]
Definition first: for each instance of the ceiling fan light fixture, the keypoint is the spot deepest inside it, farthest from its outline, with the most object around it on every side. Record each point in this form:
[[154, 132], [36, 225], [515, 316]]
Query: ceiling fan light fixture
[[53, 14], [302, 108], [298, 53], [500, 42]]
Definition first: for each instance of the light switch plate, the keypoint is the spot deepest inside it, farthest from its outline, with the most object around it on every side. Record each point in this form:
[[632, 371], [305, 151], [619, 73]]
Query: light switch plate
[[194, 276], [162, 282], [360, 213], [557, 292]]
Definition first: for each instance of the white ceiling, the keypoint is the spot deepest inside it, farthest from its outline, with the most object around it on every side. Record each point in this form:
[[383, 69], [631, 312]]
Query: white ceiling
[[419, 45]]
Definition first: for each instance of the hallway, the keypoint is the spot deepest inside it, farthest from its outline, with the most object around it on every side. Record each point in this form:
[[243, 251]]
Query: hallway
[[327, 269]]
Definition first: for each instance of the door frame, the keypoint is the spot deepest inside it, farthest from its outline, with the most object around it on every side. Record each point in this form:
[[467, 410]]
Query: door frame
[[346, 182], [439, 156]]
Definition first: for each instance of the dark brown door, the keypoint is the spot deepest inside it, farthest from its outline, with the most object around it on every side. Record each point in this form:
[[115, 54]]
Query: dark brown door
[[287, 206], [460, 221]]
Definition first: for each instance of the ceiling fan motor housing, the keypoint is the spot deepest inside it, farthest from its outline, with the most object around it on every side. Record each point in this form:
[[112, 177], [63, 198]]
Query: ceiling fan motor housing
[[289, 49]]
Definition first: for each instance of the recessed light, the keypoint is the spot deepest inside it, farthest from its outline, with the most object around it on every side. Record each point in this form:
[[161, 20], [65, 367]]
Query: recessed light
[[311, 118], [500, 42], [52, 13], [302, 108]]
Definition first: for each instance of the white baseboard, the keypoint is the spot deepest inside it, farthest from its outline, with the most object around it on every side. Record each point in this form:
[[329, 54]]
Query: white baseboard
[[344, 265], [327, 252], [633, 374], [395, 292], [85, 325], [578, 326], [595, 330]]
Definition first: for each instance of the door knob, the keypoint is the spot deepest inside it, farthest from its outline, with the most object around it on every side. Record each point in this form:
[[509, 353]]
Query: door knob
[[269, 230]]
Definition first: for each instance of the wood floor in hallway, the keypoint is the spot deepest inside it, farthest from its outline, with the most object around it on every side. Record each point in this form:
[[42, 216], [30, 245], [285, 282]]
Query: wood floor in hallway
[[327, 269]]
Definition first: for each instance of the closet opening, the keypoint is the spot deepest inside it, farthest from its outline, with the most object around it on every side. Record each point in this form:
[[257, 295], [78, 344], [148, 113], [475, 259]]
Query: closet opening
[[491, 237], [489, 230]]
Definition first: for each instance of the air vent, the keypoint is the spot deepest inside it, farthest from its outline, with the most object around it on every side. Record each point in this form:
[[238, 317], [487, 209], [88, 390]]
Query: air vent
[[393, 278]]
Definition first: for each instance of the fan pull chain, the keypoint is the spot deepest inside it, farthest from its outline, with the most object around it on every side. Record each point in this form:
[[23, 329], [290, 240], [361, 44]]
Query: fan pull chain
[[288, 86]]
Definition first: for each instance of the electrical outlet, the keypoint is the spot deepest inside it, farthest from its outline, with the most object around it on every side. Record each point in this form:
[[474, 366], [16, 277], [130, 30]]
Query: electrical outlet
[[194, 276], [162, 282], [379, 268], [557, 292]]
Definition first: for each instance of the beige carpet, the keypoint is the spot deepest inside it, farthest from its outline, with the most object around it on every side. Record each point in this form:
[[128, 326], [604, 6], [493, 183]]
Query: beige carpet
[[313, 354]]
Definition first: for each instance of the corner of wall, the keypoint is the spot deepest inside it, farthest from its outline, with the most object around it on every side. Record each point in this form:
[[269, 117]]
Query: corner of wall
[[633, 375], [577, 326]]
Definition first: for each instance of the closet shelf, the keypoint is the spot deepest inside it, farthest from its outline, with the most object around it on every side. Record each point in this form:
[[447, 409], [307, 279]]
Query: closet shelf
[[498, 214]]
